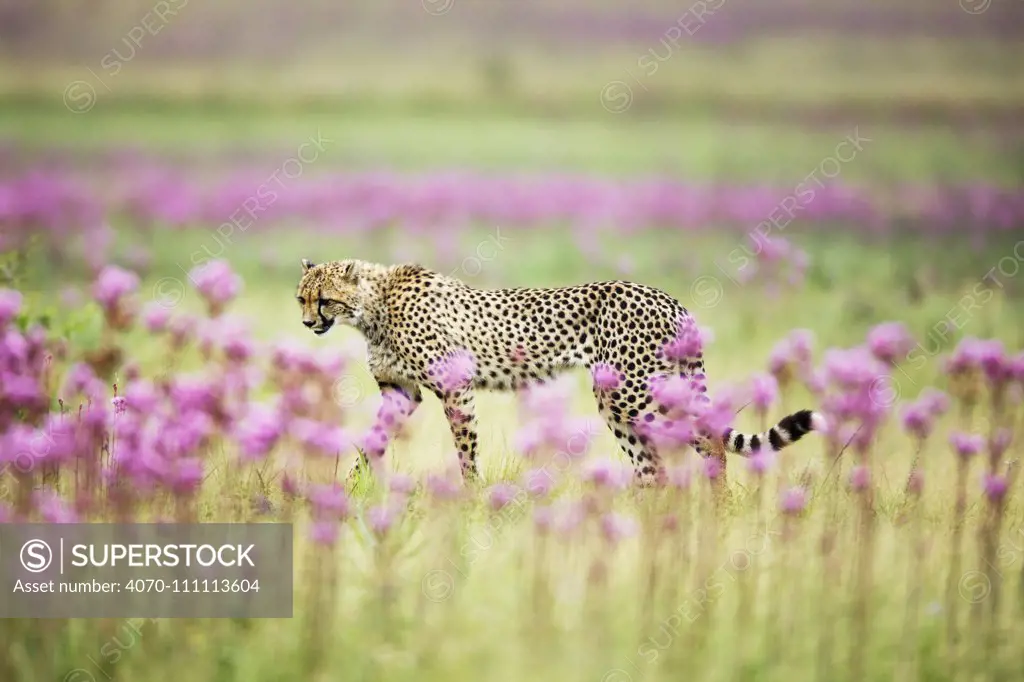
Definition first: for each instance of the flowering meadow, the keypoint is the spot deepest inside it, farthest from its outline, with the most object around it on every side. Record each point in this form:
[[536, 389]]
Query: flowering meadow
[[831, 189], [888, 545]]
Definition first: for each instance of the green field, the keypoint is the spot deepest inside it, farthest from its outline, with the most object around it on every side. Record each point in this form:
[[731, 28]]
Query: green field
[[859, 587]]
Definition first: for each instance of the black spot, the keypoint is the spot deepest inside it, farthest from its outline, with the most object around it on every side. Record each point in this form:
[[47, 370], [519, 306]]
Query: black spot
[[739, 441], [775, 439], [755, 443]]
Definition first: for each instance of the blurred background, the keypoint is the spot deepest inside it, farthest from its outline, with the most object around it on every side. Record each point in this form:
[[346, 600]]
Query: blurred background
[[529, 142]]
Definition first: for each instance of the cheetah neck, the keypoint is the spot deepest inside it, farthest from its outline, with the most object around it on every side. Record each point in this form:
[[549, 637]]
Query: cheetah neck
[[371, 317]]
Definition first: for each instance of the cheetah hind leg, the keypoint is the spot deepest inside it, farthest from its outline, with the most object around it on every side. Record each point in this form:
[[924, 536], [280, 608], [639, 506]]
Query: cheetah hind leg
[[714, 449], [641, 453], [358, 471]]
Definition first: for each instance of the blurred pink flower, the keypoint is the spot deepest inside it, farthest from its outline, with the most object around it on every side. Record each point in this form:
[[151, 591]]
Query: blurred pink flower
[[764, 392], [454, 371], [216, 282], [401, 484], [380, 518], [10, 305], [325, 532], [860, 478], [890, 342], [966, 445], [328, 501], [112, 285], [995, 487], [605, 473], [615, 527], [794, 501], [538, 482], [500, 495], [606, 378]]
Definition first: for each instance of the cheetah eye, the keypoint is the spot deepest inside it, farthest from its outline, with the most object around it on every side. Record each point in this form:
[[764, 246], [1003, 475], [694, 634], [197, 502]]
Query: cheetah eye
[[323, 301], [301, 300]]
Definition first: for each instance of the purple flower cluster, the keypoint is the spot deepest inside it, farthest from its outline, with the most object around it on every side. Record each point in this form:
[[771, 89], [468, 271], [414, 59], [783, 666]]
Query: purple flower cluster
[[453, 372], [217, 284], [60, 207], [918, 418]]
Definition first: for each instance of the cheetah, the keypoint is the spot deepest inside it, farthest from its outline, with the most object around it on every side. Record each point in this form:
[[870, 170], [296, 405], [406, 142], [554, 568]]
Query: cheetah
[[411, 316]]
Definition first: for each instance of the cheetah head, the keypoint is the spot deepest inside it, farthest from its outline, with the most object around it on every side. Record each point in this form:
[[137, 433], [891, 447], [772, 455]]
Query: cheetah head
[[329, 293]]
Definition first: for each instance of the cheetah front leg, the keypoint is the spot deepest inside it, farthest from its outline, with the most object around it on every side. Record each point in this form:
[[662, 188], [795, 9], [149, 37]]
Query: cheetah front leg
[[459, 409], [388, 389]]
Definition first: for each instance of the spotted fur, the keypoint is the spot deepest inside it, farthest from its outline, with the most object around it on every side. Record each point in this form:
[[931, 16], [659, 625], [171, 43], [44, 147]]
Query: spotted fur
[[411, 316]]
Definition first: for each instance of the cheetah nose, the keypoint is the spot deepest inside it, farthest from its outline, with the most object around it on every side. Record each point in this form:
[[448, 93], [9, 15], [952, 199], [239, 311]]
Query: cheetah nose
[[308, 323]]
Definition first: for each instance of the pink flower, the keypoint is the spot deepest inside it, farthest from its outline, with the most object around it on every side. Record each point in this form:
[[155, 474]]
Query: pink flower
[[712, 467], [289, 486], [606, 378], [52, 508], [765, 391], [969, 354], [761, 461], [794, 501], [616, 527], [323, 439], [890, 342], [186, 475], [454, 371], [380, 518], [995, 487], [112, 285], [966, 445], [677, 393], [801, 346], [258, 432], [324, 532], [155, 317], [329, 501], [538, 482], [689, 342], [216, 282], [120, 404], [607, 474], [10, 304], [501, 495], [917, 420], [400, 484], [445, 487], [860, 478], [374, 442]]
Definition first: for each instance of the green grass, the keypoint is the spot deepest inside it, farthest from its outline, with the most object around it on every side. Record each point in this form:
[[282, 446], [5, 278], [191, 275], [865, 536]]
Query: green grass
[[701, 149]]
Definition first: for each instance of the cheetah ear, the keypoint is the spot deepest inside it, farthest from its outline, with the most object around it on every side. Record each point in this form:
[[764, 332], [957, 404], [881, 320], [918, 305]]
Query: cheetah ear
[[306, 264]]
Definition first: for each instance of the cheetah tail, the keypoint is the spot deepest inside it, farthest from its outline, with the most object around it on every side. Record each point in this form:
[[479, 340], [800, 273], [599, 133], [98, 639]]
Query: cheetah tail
[[790, 429]]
